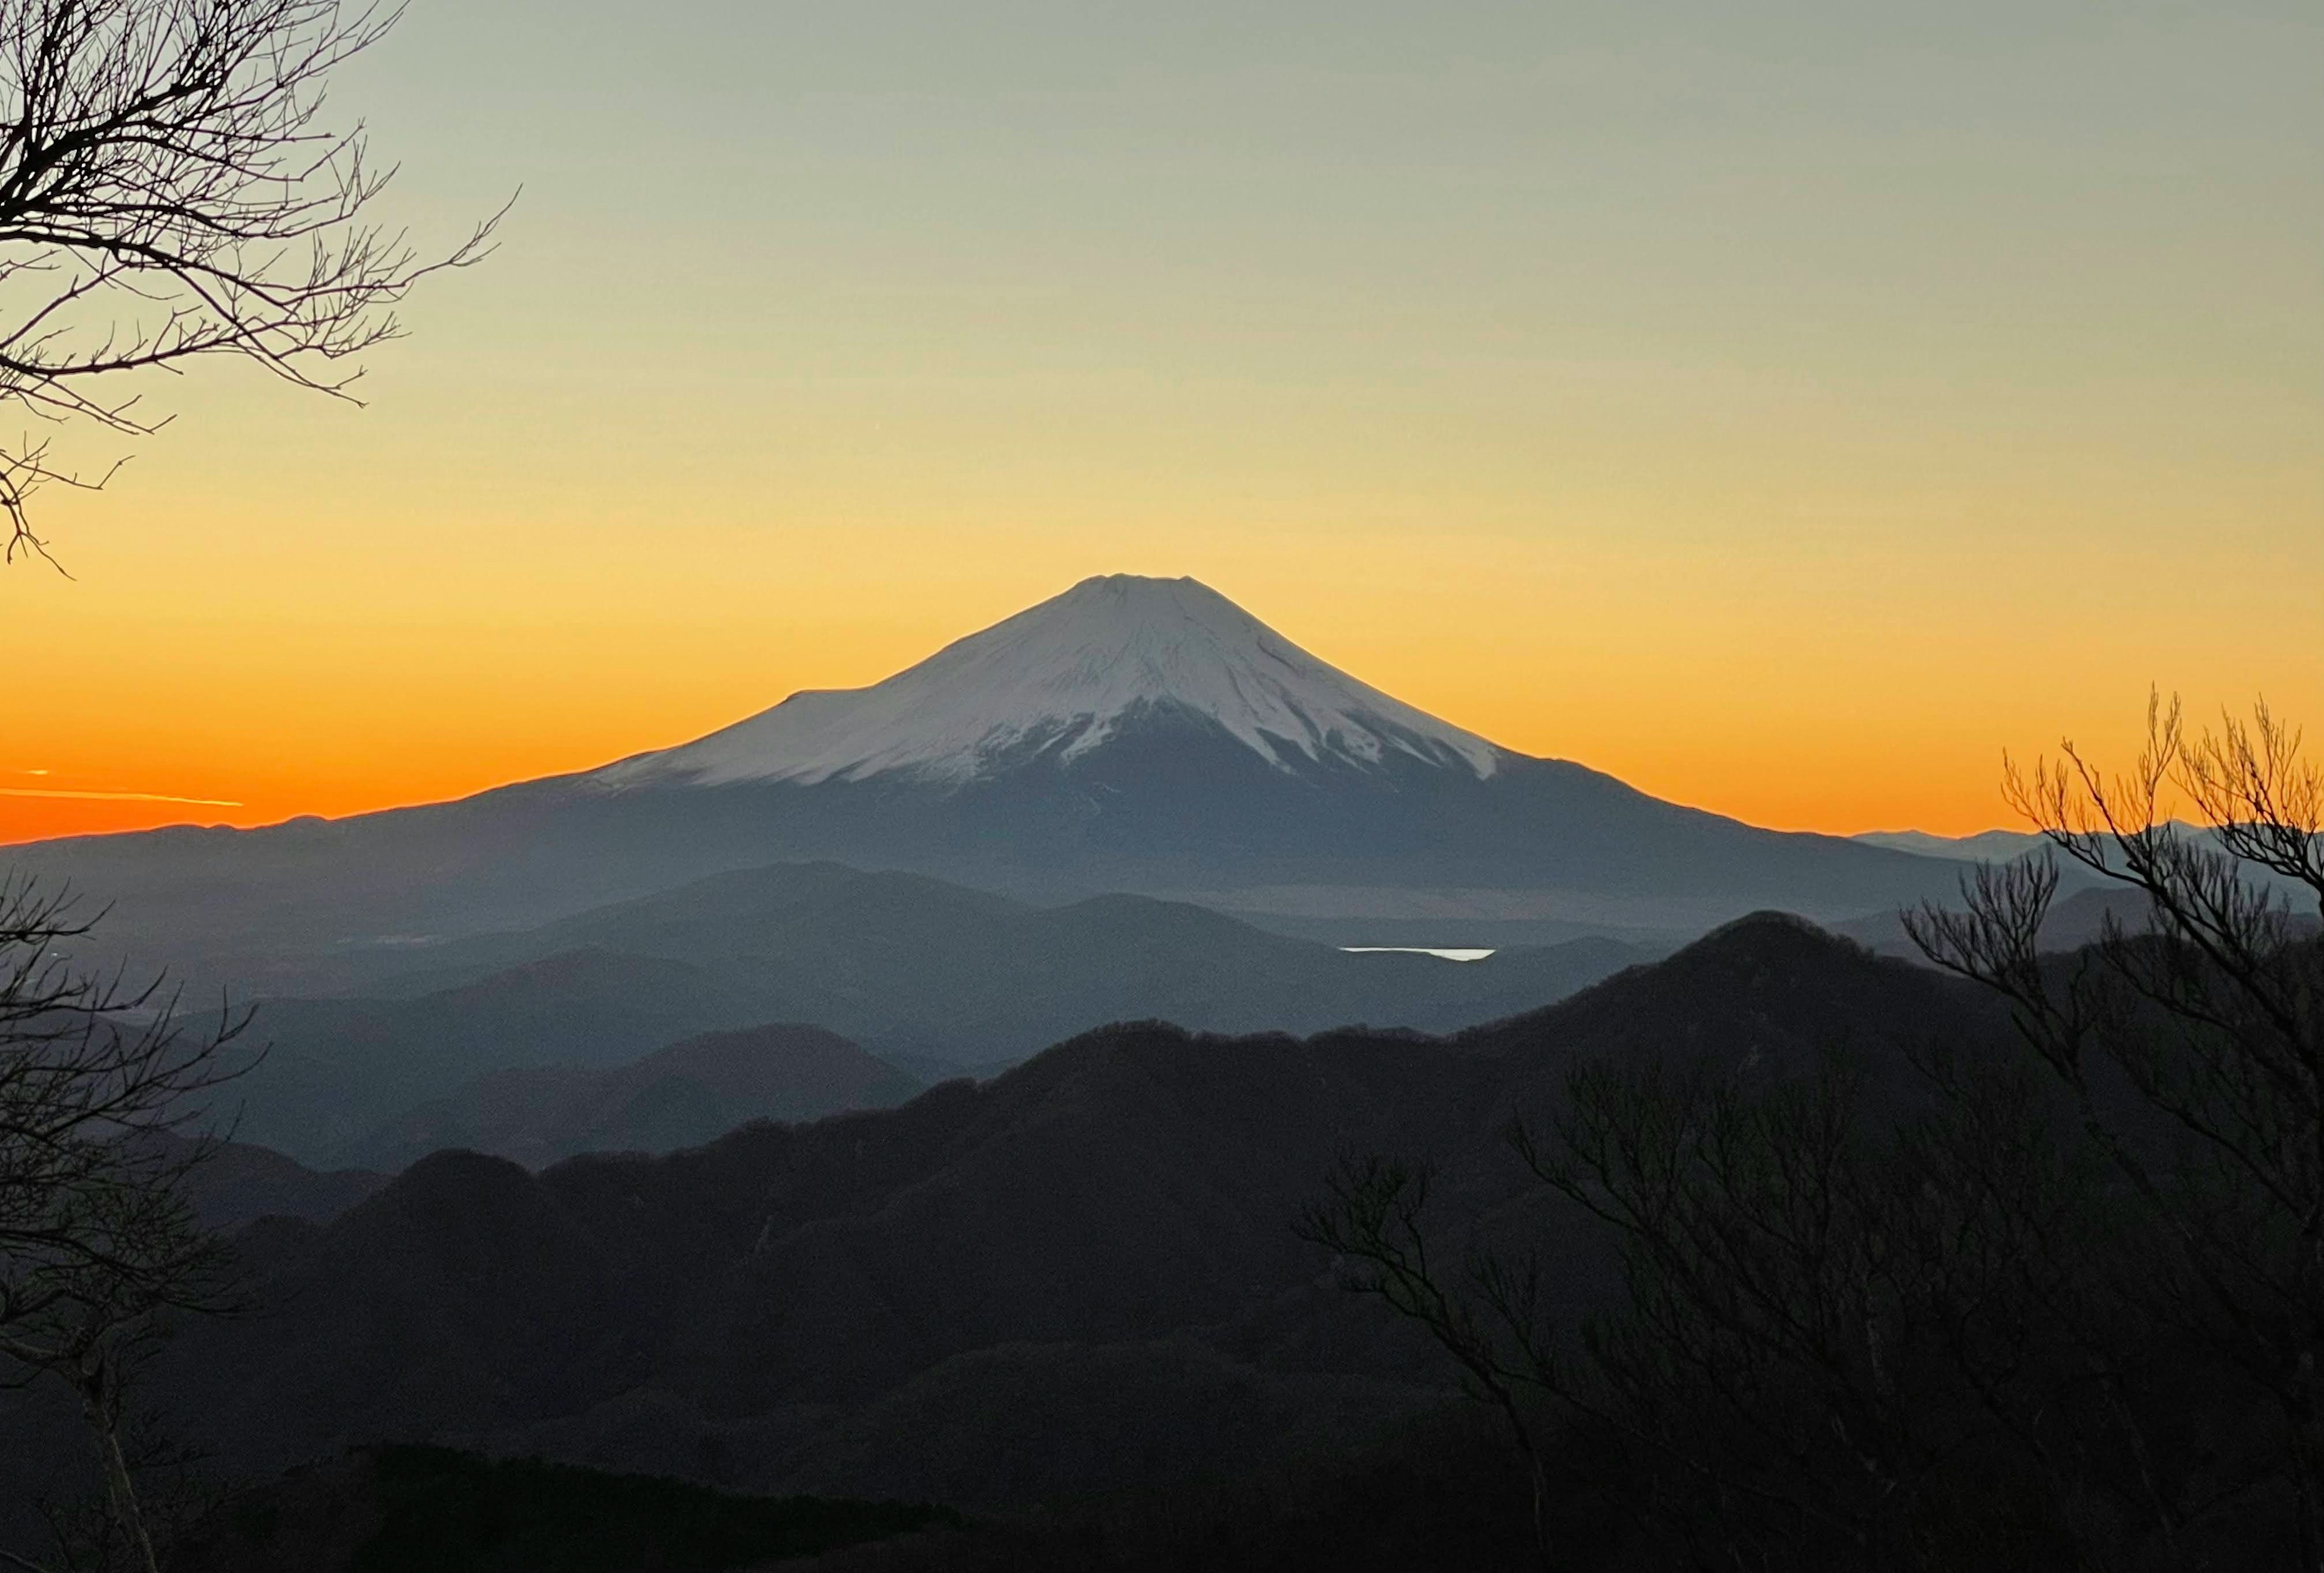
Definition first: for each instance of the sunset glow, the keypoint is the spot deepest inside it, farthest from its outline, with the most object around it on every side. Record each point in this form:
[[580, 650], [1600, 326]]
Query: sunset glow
[[1791, 450]]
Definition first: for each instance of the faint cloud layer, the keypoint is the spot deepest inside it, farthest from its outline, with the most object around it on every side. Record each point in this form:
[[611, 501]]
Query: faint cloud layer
[[113, 797]]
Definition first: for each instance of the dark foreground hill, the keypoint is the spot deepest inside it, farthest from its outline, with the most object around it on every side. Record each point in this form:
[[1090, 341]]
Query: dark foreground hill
[[928, 975], [1440, 1492], [378, 1509], [1078, 1276]]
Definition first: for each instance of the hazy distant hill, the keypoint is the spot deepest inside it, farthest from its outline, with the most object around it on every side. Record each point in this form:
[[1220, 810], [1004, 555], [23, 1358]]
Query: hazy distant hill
[[1130, 735], [333, 1069], [680, 1096], [932, 975], [1985, 846], [2076, 918], [903, 963]]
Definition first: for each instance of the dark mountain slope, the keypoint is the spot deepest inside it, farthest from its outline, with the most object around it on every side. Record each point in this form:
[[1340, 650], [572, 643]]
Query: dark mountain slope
[[411, 1508], [1766, 988], [757, 1310], [459, 1298], [1130, 1183]]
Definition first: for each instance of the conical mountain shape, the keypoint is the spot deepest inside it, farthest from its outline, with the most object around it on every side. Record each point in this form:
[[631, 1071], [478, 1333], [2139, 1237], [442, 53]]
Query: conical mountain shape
[[1129, 736], [1060, 679]]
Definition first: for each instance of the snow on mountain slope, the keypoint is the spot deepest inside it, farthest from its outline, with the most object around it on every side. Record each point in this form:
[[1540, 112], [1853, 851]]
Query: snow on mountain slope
[[1059, 678]]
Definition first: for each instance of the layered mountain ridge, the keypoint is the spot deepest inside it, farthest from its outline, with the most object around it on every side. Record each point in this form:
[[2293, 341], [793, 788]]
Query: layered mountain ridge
[[937, 979], [1134, 736], [1074, 1276]]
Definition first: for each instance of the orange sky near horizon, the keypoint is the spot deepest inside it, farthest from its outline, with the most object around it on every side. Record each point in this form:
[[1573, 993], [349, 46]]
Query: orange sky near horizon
[[1799, 692], [1785, 413]]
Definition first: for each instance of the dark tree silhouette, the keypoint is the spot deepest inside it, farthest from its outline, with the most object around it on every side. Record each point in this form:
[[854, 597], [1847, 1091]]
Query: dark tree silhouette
[[2212, 1014], [1840, 1338], [98, 1244], [2058, 1302], [168, 190], [1486, 1316]]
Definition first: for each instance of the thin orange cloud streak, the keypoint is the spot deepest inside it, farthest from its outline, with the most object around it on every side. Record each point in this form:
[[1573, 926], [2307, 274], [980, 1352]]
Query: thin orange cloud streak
[[117, 797]]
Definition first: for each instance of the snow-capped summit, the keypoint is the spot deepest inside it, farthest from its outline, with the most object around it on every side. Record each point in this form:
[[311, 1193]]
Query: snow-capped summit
[[1056, 681]]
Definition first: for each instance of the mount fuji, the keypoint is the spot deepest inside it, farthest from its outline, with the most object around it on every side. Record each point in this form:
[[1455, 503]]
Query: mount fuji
[[1059, 682], [1130, 735]]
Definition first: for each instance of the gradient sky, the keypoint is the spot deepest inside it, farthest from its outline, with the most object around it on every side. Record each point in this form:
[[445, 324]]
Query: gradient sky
[[1785, 406]]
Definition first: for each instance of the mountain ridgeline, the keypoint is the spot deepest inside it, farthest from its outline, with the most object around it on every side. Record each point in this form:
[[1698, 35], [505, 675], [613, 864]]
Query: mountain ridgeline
[[935, 978], [1130, 735], [1075, 1277]]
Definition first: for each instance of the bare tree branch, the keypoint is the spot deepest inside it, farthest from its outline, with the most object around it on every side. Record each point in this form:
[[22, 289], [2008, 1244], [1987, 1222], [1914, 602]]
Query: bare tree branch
[[99, 1245], [168, 190]]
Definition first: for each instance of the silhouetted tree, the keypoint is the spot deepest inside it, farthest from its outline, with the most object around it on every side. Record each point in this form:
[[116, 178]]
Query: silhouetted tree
[[1485, 1316], [168, 191], [98, 1243], [2211, 1014], [1988, 1309], [1846, 1334]]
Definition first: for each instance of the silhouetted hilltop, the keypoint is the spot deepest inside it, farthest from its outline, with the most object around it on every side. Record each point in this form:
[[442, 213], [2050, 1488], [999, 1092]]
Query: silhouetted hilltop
[[1766, 982]]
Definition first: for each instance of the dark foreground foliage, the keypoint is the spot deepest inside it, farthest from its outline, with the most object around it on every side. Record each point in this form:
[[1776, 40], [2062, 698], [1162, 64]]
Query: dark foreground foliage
[[391, 1509], [2053, 1303], [1438, 1492]]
